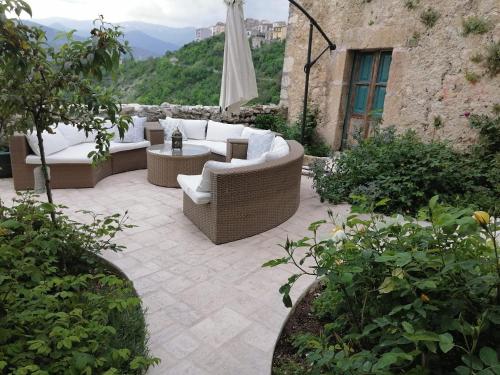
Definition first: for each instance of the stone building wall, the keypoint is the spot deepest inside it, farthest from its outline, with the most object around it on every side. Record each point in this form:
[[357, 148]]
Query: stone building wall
[[246, 117], [427, 78]]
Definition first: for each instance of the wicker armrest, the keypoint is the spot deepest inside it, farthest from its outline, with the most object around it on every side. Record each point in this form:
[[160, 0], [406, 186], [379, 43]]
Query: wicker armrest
[[154, 133], [236, 149], [19, 148]]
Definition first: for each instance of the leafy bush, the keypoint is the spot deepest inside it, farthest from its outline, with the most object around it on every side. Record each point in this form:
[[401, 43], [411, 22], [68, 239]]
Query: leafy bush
[[475, 25], [409, 172], [429, 17], [63, 311], [402, 297], [313, 143], [492, 58]]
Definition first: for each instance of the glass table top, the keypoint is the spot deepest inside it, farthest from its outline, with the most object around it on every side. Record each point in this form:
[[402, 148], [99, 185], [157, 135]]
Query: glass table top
[[187, 150]]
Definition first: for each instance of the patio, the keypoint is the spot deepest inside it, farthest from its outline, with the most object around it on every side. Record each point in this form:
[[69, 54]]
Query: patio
[[211, 309]]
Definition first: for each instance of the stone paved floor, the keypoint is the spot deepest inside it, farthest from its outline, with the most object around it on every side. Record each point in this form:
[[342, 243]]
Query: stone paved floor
[[211, 309]]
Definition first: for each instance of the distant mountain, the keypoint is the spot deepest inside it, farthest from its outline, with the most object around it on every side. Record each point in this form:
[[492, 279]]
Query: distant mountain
[[51, 33], [147, 40]]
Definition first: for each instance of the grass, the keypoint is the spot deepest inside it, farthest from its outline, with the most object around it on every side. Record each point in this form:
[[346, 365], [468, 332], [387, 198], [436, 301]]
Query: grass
[[472, 77], [429, 17], [492, 58], [475, 25]]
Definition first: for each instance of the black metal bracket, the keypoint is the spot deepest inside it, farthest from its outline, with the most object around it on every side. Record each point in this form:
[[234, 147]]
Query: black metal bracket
[[310, 62]]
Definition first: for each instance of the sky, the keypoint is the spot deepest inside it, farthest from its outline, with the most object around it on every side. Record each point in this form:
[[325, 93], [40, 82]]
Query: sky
[[175, 13]]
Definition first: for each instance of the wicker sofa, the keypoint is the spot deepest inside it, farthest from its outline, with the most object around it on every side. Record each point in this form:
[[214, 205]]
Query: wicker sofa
[[65, 175], [248, 200]]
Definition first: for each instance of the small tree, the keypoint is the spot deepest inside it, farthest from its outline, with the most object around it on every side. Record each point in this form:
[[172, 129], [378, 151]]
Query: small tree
[[41, 85]]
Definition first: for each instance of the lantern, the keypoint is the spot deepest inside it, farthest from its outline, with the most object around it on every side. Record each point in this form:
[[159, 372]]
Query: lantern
[[176, 140]]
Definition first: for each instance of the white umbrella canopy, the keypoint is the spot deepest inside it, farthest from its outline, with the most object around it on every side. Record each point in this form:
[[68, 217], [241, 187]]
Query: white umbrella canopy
[[239, 84]]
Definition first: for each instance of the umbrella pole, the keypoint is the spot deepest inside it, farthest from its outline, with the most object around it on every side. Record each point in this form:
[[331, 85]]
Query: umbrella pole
[[307, 70]]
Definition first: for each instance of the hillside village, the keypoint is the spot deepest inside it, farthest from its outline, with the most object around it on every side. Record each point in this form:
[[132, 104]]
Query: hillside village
[[259, 31]]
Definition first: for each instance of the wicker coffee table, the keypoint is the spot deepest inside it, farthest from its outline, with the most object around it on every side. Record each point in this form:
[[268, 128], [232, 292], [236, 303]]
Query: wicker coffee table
[[164, 164]]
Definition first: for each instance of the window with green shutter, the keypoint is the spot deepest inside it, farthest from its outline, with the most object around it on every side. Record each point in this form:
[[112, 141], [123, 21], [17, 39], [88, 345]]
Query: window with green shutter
[[367, 90]]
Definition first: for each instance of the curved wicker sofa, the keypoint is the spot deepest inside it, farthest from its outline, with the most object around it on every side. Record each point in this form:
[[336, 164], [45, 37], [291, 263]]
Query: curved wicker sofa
[[249, 200], [68, 176]]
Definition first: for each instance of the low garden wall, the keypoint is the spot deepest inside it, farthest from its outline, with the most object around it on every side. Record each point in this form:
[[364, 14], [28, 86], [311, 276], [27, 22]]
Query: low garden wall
[[246, 116]]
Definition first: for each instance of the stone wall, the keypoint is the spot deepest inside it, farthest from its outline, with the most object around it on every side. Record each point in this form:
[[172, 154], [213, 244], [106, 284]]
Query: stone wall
[[428, 74], [246, 117]]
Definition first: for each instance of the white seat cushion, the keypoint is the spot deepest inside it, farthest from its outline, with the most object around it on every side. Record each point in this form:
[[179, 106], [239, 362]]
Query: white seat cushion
[[115, 147], [134, 133], [259, 144], [219, 148], [247, 132], [195, 129], [247, 163], [219, 132], [189, 184], [76, 154], [72, 134], [52, 143]]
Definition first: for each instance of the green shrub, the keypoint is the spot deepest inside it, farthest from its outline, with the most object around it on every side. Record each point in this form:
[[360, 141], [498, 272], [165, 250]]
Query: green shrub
[[475, 25], [313, 143], [429, 17], [63, 311], [492, 58], [409, 172], [402, 297]]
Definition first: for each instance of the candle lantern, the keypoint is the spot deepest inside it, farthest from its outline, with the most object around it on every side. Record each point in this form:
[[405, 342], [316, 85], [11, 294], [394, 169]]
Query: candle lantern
[[177, 140]]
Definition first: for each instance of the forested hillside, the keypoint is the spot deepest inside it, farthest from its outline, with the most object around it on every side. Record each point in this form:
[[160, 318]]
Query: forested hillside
[[192, 75]]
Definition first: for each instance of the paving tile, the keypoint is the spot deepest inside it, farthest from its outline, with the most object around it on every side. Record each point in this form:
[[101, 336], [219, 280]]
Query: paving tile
[[182, 345], [220, 327]]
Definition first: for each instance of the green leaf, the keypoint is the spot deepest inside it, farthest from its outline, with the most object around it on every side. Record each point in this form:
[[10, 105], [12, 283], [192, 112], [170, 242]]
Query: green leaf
[[472, 361], [387, 286], [446, 342], [276, 262], [488, 356], [408, 327]]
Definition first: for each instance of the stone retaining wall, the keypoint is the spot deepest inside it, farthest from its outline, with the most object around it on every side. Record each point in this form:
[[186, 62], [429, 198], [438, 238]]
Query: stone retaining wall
[[246, 117]]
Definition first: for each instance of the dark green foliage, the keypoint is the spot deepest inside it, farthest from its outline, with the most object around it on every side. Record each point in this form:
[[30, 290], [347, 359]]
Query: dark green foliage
[[313, 143], [411, 4], [401, 297], [192, 75], [429, 17], [475, 25], [409, 172], [63, 311]]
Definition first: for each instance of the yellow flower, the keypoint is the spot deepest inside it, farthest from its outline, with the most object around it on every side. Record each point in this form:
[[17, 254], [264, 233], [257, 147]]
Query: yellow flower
[[483, 218], [424, 297]]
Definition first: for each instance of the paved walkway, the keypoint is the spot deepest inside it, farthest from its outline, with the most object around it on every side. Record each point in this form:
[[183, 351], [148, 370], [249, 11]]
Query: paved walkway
[[211, 309]]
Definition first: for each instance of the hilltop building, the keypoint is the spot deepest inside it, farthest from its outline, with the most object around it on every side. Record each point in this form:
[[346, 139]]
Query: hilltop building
[[203, 33], [410, 68]]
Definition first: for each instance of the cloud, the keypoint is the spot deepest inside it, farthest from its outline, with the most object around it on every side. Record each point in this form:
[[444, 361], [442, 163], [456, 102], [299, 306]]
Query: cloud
[[166, 12]]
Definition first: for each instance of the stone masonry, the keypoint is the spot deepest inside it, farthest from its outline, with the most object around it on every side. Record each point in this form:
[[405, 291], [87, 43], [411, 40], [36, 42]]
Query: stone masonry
[[427, 80], [246, 117]]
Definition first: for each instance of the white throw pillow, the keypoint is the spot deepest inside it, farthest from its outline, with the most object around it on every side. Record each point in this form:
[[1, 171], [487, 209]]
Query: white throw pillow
[[219, 132], [259, 144], [135, 132], [249, 131], [169, 125], [195, 129], [206, 176], [52, 143], [71, 133], [279, 149]]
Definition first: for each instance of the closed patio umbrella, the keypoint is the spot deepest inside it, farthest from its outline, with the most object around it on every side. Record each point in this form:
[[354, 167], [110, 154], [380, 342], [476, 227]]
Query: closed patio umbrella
[[239, 84]]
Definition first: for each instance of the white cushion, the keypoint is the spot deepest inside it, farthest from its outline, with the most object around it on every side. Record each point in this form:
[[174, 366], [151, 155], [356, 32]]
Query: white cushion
[[249, 131], [115, 147], [259, 144], [189, 184], [76, 154], [219, 132], [52, 142], [195, 129], [219, 148], [279, 149], [247, 163], [206, 180], [169, 125], [71, 133], [134, 133]]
